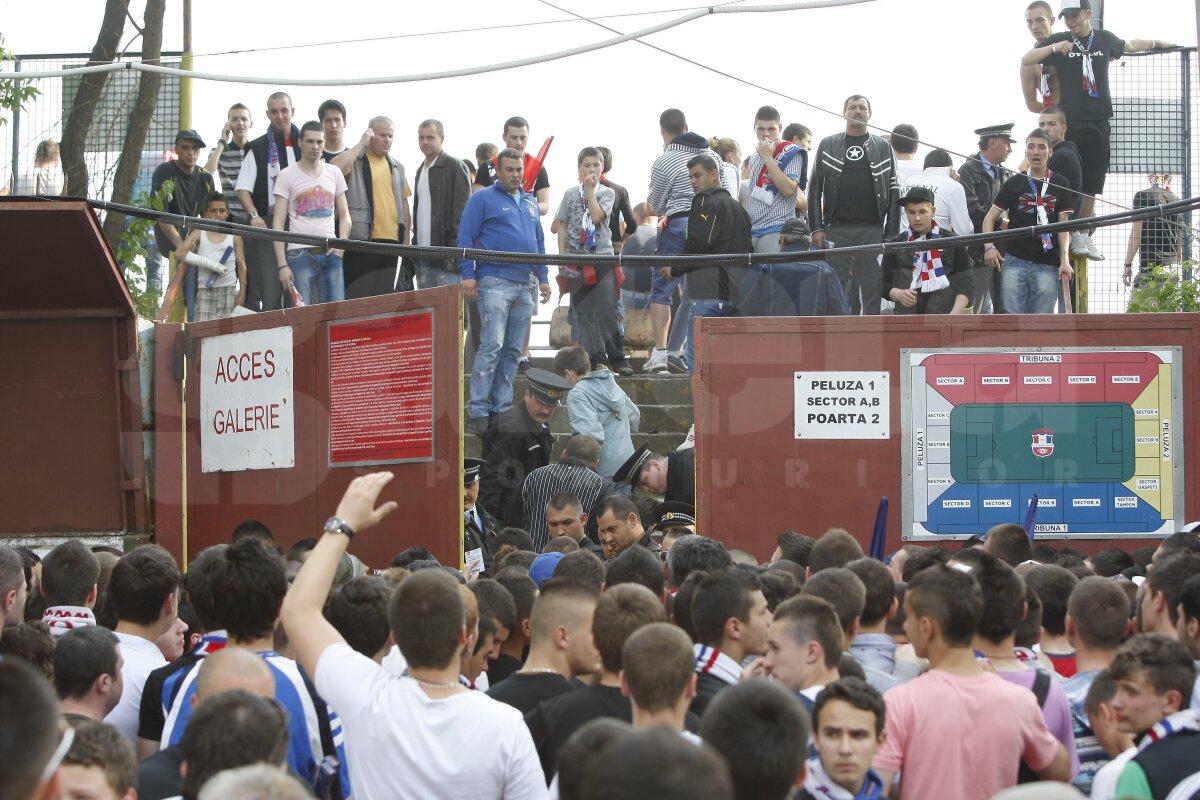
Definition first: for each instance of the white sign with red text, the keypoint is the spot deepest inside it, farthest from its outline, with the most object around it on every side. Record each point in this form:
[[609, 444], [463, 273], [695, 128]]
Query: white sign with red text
[[246, 403]]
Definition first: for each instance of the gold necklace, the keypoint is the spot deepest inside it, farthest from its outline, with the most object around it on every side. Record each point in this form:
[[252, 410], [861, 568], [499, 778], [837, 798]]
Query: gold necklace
[[431, 684]]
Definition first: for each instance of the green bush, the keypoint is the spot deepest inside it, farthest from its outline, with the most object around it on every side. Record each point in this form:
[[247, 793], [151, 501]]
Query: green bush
[[1167, 289], [133, 245]]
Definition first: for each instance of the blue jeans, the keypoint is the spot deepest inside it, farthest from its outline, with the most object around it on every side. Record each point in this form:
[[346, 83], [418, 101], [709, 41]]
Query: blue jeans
[[704, 308], [505, 310], [318, 276], [1028, 287], [429, 275]]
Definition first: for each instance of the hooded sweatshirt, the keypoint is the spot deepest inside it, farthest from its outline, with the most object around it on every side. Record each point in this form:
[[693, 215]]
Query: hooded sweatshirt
[[599, 408], [819, 785]]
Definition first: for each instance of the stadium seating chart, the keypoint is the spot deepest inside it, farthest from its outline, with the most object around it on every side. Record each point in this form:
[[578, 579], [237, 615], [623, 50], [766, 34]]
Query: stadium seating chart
[[1091, 432]]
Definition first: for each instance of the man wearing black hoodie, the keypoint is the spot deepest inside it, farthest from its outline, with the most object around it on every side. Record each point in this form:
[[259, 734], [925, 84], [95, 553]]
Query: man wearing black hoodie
[[717, 223]]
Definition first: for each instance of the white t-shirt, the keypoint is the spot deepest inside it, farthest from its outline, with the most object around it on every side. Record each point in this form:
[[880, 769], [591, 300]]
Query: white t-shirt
[[142, 657], [403, 744], [312, 202], [423, 224]]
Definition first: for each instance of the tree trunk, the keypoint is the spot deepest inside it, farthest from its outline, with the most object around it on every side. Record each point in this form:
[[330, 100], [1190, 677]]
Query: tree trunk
[[139, 120], [91, 86]]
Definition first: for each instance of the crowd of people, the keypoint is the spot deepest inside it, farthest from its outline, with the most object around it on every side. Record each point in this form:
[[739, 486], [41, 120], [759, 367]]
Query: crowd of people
[[640, 658]]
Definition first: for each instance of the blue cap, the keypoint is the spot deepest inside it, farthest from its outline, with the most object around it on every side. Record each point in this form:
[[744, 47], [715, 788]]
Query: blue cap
[[542, 568]]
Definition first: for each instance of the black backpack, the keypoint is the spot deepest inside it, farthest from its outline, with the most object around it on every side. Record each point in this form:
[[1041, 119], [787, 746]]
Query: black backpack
[[1041, 690]]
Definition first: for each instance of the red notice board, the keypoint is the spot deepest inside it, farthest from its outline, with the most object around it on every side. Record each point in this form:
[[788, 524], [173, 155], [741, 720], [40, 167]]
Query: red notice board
[[381, 389]]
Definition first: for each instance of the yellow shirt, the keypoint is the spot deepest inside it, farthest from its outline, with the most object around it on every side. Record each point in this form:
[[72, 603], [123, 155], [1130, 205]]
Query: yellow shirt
[[386, 224]]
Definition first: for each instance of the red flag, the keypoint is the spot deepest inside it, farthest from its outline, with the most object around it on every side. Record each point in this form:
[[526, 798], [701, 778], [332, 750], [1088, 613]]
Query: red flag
[[534, 165]]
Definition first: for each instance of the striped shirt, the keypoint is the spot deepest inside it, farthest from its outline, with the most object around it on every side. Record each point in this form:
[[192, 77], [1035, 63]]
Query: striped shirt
[[229, 164], [769, 217], [670, 189], [309, 720], [541, 485]]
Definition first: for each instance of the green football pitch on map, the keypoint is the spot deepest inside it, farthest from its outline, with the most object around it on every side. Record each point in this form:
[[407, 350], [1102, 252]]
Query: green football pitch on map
[[992, 442]]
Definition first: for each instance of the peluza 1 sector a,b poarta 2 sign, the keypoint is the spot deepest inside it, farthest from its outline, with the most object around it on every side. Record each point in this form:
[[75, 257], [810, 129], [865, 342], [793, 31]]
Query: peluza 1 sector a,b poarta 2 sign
[[1091, 432]]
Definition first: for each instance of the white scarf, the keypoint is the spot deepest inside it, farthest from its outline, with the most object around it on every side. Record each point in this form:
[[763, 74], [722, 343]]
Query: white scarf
[[928, 273], [712, 661], [1179, 721], [61, 619]]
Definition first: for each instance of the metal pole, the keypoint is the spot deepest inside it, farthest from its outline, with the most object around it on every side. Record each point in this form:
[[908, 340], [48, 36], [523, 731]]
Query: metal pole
[[16, 133], [1185, 91], [185, 84]]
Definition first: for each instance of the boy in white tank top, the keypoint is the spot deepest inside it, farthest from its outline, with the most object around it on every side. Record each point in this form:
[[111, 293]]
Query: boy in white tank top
[[219, 261]]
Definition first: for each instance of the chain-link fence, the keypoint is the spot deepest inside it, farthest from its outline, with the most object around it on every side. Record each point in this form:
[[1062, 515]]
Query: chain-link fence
[[44, 117], [1156, 110]]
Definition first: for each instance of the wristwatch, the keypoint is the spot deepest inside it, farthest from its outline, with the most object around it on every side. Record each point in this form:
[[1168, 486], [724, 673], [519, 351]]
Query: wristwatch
[[338, 525], [253, 215]]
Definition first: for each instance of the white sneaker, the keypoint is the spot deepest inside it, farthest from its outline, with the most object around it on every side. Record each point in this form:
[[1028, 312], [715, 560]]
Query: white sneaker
[[1093, 252], [657, 362], [690, 440], [1079, 247]]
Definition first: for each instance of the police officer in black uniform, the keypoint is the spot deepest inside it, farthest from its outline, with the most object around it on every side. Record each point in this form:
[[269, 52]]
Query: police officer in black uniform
[[518, 441]]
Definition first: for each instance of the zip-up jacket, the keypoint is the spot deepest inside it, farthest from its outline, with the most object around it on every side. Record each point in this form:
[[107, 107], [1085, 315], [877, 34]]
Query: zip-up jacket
[[449, 190], [716, 224], [360, 197], [287, 157], [827, 178], [497, 220]]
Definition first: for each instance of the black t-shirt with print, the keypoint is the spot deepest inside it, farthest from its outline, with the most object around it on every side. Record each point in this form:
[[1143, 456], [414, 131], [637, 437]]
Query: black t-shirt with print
[[1017, 197], [1160, 235], [856, 200], [1074, 99]]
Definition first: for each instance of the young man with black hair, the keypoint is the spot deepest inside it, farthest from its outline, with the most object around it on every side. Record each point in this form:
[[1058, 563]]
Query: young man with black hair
[[637, 565], [843, 590], [904, 141], [230, 730], [1054, 585], [950, 199], [1039, 82], [933, 281], [1155, 675], [619, 613], [1162, 591], [778, 169], [847, 724], [762, 733], [1080, 56], [69, 575], [497, 620], [248, 583], [143, 591], [795, 547], [513, 649], [406, 734], [1009, 543], [358, 610], [584, 567], [310, 196], [561, 647], [656, 763], [87, 673], [1097, 620], [984, 725], [804, 647], [871, 646], [732, 620], [1003, 607]]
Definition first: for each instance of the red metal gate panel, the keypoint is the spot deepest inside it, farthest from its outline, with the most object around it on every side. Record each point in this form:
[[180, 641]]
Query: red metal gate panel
[[754, 479], [294, 502]]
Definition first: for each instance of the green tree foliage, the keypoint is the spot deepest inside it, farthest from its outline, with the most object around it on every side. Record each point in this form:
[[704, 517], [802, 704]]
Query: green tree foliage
[[132, 246], [13, 94]]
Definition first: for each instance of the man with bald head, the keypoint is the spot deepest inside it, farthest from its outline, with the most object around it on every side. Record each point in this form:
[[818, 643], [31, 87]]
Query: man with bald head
[[227, 670]]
